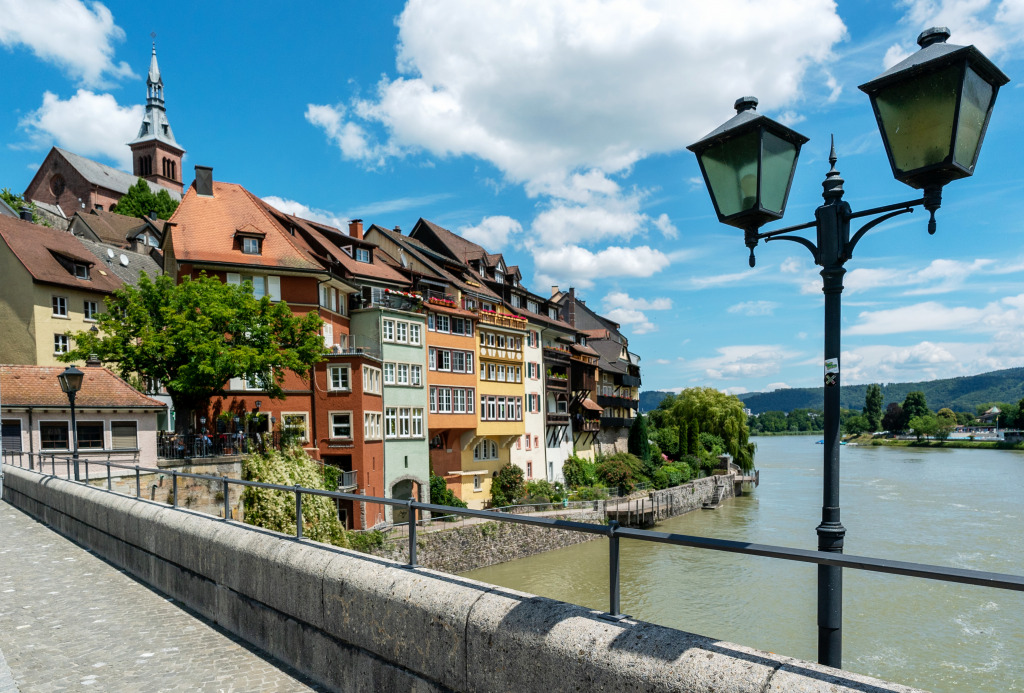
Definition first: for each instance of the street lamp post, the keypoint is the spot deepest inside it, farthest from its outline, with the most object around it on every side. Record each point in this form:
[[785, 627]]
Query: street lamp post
[[932, 110], [71, 382]]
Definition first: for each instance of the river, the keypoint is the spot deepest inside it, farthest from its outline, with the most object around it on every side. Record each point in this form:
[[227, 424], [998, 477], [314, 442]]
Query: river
[[959, 508]]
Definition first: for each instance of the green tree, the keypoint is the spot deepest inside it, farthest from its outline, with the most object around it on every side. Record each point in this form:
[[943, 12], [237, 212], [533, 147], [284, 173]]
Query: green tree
[[667, 440], [711, 411], [621, 470], [638, 443], [275, 510], [507, 486], [195, 336], [873, 407], [857, 425], [915, 405], [693, 446], [922, 426], [894, 420], [140, 200], [16, 202], [946, 423], [684, 440], [440, 494]]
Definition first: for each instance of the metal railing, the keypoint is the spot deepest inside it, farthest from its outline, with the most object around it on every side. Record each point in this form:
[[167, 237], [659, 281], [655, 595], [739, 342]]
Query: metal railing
[[612, 531], [179, 446]]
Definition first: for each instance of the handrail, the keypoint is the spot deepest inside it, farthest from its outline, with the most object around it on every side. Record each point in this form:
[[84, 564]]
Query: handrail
[[612, 530]]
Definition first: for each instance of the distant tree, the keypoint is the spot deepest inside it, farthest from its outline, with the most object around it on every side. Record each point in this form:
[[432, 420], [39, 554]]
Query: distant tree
[[922, 426], [946, 423], [195, 336], [693, 446], [873, 407], [684, 440], [507, 486], [915, 405], [1018, 422], [857, 425], [720, 414], [965, 418], [773, 422], [667, 440], [893, 419], [140, 200], [638, 442]]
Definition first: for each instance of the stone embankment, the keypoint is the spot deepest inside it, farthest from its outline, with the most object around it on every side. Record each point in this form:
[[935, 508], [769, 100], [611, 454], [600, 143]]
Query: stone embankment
[[359, 623]]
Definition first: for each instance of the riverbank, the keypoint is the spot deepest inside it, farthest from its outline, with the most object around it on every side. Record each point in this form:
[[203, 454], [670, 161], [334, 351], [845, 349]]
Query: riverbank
[[867, 440]]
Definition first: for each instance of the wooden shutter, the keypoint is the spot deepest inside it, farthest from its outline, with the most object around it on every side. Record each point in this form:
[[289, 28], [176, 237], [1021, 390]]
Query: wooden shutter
[[274, 287]]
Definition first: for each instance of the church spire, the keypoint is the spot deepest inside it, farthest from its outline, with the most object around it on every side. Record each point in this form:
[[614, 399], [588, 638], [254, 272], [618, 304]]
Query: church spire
[[156, 154]]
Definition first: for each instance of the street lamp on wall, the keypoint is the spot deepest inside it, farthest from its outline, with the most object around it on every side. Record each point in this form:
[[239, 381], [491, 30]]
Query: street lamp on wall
[[71, 382], [932, 110]]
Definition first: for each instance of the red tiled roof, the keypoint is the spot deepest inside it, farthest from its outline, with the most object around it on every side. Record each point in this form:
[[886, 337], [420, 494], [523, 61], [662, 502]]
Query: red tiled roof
[[38, 248], [204, 229], [111, 227], [37, 386]]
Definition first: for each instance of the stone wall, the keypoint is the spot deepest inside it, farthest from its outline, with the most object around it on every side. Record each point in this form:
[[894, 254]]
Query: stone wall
[[479, 545], [201, 495], [360, 623], [678, 500]]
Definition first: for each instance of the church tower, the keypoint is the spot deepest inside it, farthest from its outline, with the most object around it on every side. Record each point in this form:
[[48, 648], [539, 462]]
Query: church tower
[[156, 156]]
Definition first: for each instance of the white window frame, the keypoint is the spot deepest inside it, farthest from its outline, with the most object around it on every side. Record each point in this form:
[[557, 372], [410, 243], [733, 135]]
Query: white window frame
[[402, 374], [416, 375], [372, 427], [362, 255], [388, 330], [288, 428], [389, 374], [371, 380], [60, 306], [390, 422], [415, 334], [335, 424], [61, 344], [401, 331], [332, 383], [90, 309], [417, 422]]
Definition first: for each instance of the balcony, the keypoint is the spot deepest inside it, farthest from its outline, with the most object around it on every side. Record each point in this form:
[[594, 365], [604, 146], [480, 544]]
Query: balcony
[[439, 299], [373, 297], [556, 355], [501, 320], [616, 422], [618, 401], [557, 418], [353, 345], [555, 383], [588, 425], [347, 481], [631, 380]]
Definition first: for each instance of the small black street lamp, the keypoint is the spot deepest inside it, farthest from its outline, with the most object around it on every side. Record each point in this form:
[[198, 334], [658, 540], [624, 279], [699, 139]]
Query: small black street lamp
[[71, 382], [932, 110]]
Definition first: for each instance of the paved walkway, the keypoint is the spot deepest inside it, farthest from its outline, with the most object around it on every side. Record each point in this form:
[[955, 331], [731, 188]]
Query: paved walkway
[[70, 621]]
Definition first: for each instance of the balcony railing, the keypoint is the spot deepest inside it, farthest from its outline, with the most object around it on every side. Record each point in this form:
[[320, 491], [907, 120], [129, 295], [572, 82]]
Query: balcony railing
[[616, 422], [618, 401], [586, 425], [555, 418], [557, 355], [501, 320], [554, 383], [347, 480], [351, 344], [178, 446], [439, 298], [386, 298], [631, 380]]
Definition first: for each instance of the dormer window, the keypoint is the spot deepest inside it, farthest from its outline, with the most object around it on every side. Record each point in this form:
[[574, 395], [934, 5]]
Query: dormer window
[[251, 246], [362, 255], [532, 307], [553, 313], [499, 276], [483, 271], [81, 270]]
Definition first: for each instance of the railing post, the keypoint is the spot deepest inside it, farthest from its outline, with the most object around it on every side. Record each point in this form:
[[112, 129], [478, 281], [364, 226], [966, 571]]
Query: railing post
[[138, 483], [298, 512], [67, 467], [614, 612], [109, 485], [227, 500], [31, 464], [412, 536], [174, 488], [87, 470]]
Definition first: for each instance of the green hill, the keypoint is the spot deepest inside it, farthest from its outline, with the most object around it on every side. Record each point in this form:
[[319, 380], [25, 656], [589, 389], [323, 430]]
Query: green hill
[[959, 394]]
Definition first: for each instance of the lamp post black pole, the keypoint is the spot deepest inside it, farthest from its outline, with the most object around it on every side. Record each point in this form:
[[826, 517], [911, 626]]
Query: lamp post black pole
[[74, 433]]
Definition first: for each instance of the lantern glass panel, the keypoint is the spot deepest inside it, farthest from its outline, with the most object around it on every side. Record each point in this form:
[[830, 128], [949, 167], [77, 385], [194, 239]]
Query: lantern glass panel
[[777, 160], [917, 117], [731, 168], [974, 106]]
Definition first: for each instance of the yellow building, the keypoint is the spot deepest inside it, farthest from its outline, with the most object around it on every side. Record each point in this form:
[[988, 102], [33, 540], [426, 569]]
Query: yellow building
[[500, 393], [52, 284]]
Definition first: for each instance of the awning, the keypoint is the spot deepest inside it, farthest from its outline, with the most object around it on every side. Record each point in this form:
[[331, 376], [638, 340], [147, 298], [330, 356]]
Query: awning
[[591, 404], [477, 472]]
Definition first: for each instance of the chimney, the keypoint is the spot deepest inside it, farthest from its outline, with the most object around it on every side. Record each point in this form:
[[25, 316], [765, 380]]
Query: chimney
[[571, 304], [26, 214], [398, 229], [554, 289], [152, 214], [93, 360], [355, 228], [204, 181]]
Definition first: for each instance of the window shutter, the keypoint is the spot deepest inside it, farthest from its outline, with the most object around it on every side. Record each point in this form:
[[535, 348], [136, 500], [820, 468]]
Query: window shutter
[[274, 285], [236, 384], [235, 279], [124, 435], [328, 335]]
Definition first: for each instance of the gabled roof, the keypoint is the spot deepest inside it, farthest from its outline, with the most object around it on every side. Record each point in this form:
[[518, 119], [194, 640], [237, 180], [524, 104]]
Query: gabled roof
[[204, 230], [128, 273], [443, 240], [106, 176], [37, 386], [8, 211], [110, 227], [41, 250]]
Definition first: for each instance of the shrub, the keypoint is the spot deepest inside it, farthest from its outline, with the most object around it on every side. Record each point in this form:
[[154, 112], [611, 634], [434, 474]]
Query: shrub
[[440, 494], [507, 485], [621, 470], [588, 493], [275, 510], [542, 491], [366, 541], [579, 472], [332, 476]]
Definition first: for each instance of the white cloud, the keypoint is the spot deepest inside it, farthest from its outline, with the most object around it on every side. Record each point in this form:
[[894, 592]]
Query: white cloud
[[629, 311], [576, 266], [754, 307], [791, 265], [662, 362], [75, 36], [744, 361], [994, 27], [777, 386], [87, 123], [544, 90], [300, 210], [880, 363], [610, 218], [667, 228], [493, 233], [997, 317], [724, 279], [349, 137]]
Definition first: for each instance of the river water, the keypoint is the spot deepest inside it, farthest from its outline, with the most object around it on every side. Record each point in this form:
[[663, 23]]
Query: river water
[[959, 508]]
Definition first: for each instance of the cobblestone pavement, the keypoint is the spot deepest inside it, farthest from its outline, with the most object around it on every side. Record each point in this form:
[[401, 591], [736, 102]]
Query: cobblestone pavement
[[69, 621]]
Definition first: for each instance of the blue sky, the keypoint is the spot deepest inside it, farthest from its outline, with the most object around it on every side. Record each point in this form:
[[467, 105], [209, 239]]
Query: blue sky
[[555, 132]]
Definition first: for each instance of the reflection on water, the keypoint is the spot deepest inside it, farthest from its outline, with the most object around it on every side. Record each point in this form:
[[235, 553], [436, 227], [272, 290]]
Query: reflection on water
[[958, 508]]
